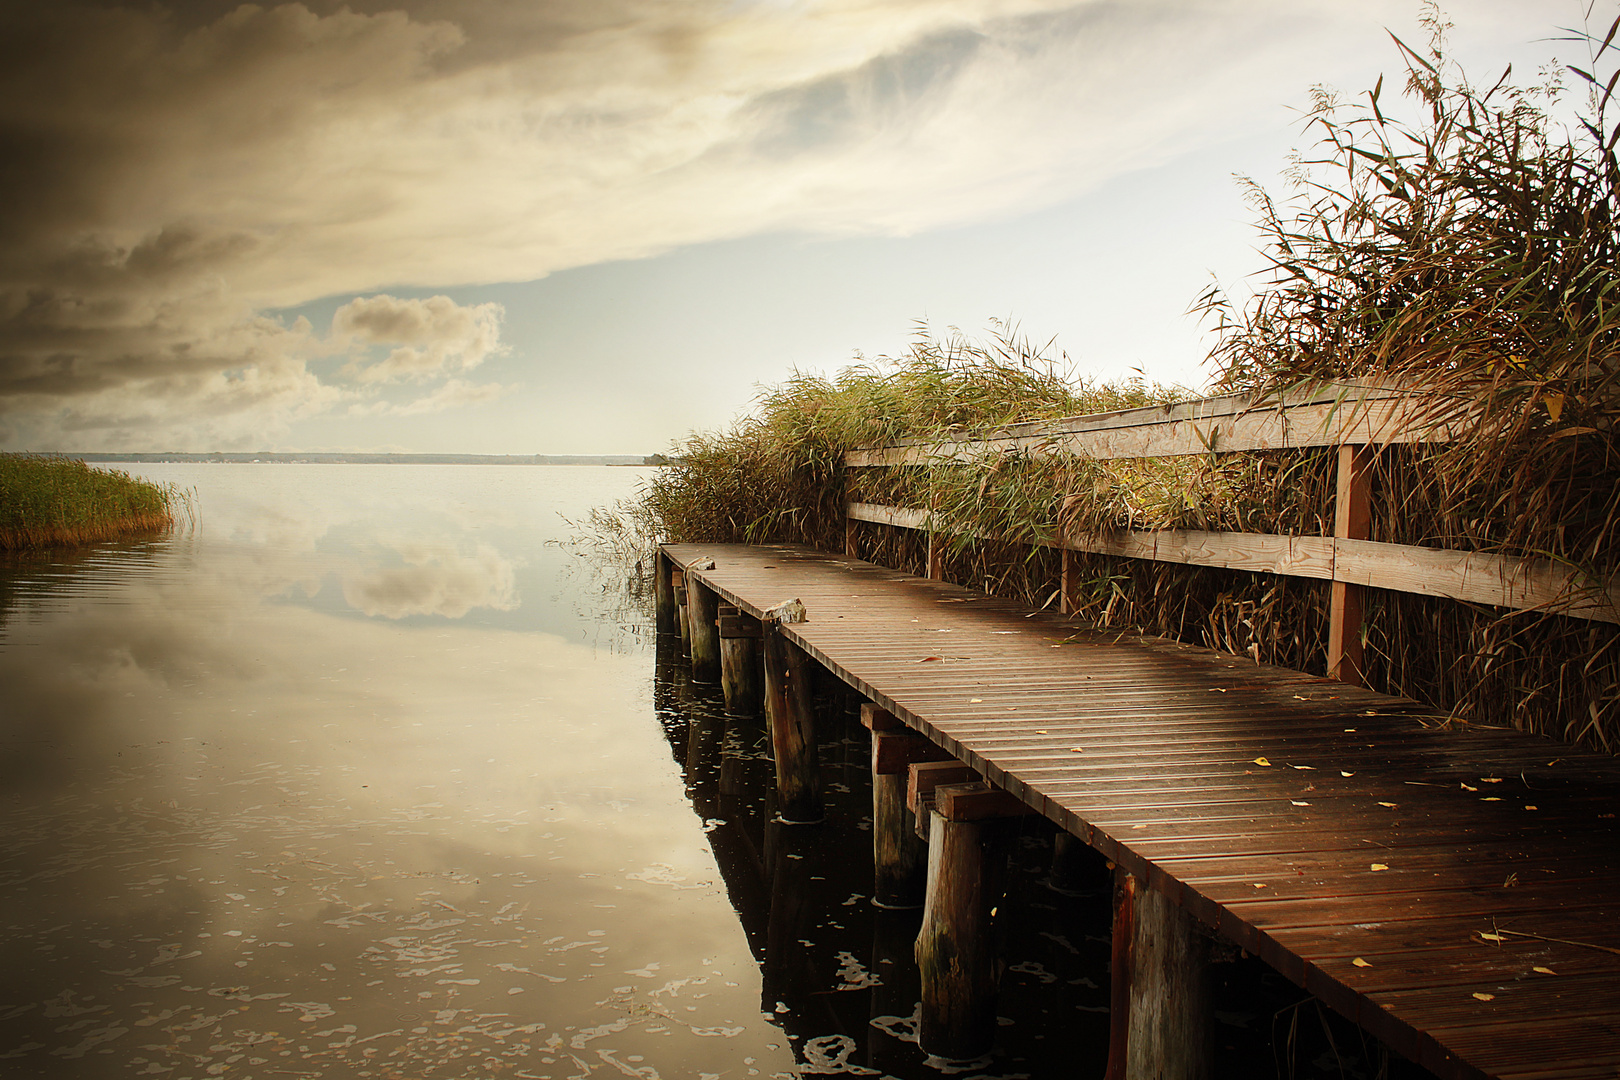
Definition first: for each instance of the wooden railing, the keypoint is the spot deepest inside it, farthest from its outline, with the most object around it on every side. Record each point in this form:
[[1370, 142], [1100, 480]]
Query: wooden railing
[[1355, 417]]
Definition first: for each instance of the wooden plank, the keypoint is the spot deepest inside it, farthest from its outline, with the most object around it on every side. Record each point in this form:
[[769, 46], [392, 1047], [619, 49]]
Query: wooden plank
[[1477, 578], [1331, 416], [977, 801], [925, 776], [1471, 576], [896, 751]]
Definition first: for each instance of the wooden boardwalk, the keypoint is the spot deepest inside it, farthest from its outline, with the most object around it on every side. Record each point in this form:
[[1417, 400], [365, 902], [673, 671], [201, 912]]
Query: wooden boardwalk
[[1457, 894]]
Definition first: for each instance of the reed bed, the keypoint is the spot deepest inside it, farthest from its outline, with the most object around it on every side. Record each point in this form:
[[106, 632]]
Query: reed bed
[[62, 502], [1467, 251]]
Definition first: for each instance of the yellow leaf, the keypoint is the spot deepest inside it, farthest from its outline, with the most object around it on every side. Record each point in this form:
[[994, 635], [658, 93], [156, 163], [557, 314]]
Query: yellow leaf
[[975, 700], [1258, 884], [1261, 761], [1343, 773], [1359, 962], [1544, 971], [1554, 404], [1485, 997], [1077, 749], [1466, 787], [1530, 808], [1490, 798], [1312, 767], [1389, 804], [1490, 779], [1040, 731], [1377, 866], [1296, 802]]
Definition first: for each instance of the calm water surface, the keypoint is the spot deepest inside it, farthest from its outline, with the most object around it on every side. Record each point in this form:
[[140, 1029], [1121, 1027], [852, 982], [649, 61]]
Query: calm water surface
[[372, 773]]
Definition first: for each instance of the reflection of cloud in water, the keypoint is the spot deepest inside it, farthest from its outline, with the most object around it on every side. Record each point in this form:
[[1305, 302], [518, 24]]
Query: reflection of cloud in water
[[437, 579]]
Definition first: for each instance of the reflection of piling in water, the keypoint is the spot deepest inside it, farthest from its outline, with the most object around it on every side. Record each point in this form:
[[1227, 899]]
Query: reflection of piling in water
[[896, 990]]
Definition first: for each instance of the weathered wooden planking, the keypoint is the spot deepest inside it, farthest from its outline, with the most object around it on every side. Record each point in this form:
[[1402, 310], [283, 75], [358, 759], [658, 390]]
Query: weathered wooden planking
[[1328, 415], [1471, 576], [1280, 855]]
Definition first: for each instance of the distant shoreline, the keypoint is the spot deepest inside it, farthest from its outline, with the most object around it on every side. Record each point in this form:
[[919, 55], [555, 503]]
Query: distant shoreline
[[267, 458]]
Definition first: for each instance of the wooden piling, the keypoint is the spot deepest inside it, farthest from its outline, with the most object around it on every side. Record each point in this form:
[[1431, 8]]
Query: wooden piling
[[740, 675], [899, 857], [677, 581], [789, 707], [1171, 1012], [701, 607], [664, 615], [1119, 975], [955, 948]]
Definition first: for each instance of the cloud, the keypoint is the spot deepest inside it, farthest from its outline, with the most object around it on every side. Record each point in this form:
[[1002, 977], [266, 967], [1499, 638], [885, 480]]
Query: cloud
[[173, 173], [435, 580], [431, 336]]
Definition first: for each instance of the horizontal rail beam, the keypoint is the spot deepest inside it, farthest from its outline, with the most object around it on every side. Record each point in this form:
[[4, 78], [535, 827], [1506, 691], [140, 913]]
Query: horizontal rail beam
[[1471, 576], [1330, 415]]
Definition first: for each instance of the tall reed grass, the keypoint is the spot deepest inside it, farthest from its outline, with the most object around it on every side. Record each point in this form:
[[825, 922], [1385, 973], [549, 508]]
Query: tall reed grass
[[1468, 250], [62, 502]]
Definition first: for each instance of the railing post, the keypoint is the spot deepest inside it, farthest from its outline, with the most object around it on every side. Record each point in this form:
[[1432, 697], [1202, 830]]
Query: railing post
[[1067, 582], [852, 536], [1352, 519]]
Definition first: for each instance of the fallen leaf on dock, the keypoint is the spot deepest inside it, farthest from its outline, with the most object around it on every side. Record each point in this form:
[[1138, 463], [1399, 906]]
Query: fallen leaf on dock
[[926, 659], [1544, 970], [1296, 802], [1530, 807], [975, 700], [1311, 767], [1077, 749], [1369, 712], [1389, 804], [1261, 761], [1041, 731], [1359, 962], [1490, 798], [1466, 787], [1343, 773], [1490, 779], [1493, 937], [1259, 884], [1377, 866], [1485, 997]]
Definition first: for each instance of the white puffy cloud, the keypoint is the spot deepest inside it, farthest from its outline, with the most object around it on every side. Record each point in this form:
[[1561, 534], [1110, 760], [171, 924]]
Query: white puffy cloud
[[428, 337]]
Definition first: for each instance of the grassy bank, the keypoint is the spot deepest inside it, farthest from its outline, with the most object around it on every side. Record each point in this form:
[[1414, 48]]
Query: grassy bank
[[61, 502], [1468, 249]]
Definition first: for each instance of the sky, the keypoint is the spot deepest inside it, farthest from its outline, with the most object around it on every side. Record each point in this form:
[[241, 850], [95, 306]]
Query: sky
[[593, 226]]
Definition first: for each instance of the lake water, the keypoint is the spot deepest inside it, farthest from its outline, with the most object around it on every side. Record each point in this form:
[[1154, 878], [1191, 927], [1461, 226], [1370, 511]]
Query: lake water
[[372, 772]]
